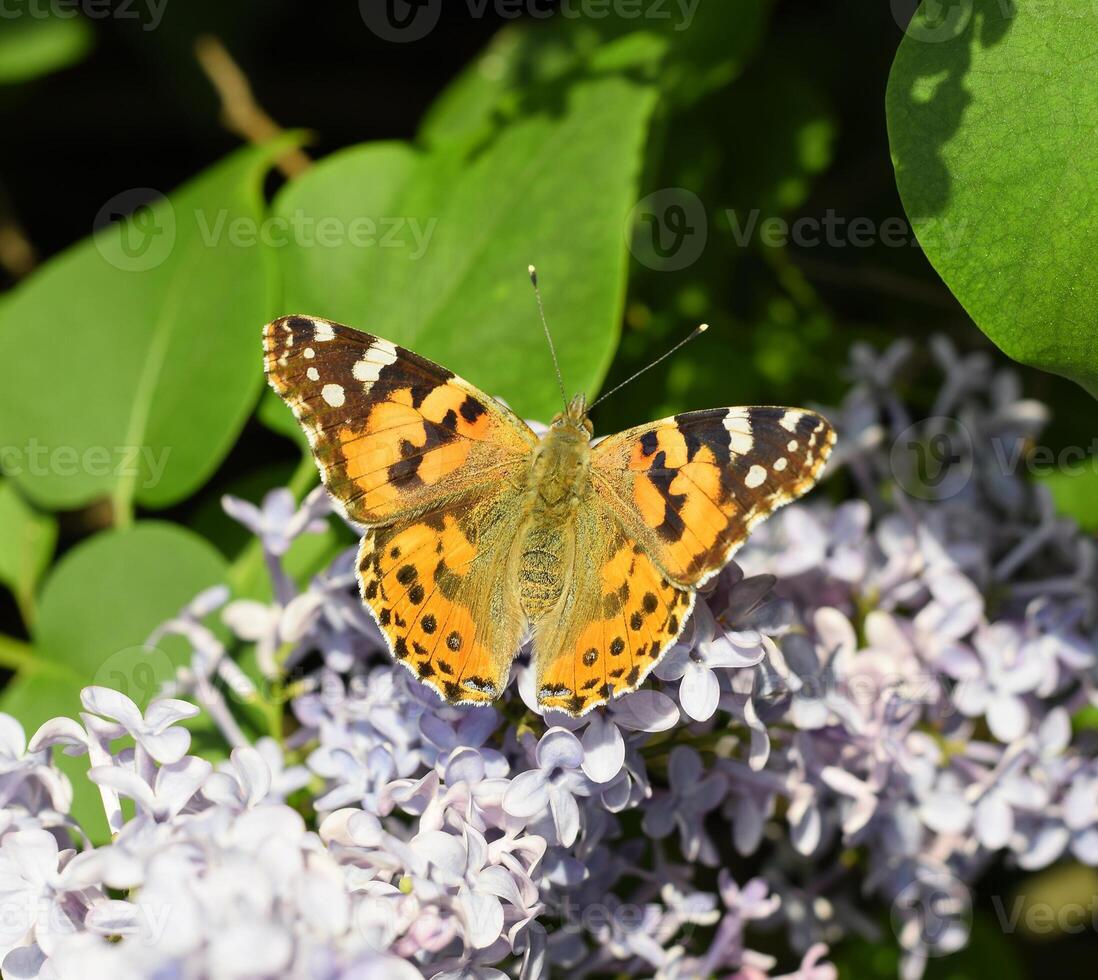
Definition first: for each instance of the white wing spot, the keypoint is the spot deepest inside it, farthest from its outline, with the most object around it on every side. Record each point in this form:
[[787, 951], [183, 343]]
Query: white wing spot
[[378, 356], [756, 476], [333, 395], [791, 446], [322, 330], [789, 421], [309, 353], [780, 464], [740, 440], [313, 374]]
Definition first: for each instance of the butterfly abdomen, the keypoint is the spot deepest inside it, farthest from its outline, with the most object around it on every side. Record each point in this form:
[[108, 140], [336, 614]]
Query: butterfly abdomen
[[558, 482]]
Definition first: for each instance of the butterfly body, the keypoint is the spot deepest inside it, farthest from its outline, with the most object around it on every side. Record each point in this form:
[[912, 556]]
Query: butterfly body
[[480, 534]]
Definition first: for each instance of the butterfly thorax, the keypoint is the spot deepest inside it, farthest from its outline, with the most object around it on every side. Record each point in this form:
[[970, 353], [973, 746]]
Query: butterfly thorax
[[558, 481]]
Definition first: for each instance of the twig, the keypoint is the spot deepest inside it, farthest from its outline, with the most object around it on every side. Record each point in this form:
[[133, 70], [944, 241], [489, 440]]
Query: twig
[[240, 112]]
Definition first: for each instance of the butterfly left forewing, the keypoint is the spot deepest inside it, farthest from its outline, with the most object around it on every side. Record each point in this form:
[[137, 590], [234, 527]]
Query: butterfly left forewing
[[691, 487], [392, 432]]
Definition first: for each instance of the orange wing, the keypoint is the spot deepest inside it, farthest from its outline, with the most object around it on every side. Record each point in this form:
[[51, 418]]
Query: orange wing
[[438, 588], [624, 616], [392, 433], [690, 488]]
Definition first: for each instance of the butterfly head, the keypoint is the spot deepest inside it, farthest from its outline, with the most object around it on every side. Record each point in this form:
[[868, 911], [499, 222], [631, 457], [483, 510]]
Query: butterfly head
[[575, 417]]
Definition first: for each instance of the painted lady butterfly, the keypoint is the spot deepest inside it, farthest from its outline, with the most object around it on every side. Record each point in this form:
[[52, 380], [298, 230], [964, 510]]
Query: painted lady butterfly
[[478, 530]]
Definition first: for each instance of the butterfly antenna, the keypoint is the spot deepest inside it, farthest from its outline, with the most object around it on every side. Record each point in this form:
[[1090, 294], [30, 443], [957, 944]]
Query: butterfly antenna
[[698, 331], [548, 336]]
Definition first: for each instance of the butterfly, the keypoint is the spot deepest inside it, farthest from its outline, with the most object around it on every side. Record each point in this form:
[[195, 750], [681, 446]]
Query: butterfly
[[479, 532]]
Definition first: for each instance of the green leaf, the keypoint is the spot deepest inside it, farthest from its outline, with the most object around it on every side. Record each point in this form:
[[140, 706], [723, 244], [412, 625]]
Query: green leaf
[[991, 115], [687, 49], [27, 539], [1075, 492], [32, 46], [109, 593], [137, 348], [446, 272]]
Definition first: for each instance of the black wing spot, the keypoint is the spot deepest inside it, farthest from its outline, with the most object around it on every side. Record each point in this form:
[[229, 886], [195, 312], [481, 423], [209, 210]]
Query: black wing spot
[[429, 625], [649, 602], [649, 442], [636, 621], [471, 409], [406, 574], [617, 647], [400, 648], [453, 641], [590, 657], [416, 594]]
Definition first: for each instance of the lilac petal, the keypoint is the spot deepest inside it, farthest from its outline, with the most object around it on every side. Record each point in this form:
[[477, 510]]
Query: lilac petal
[[465, 766], [971, 697], [253, 773], [603, 749], [1081, 804], [112, 704], [477, 726], [243, 512], [125, 782], [646, 711], [1084, 846], [13, 740], [733, 650], [177, 783], [1055, 732], [498, 881], [699, 691], [59, 731], [482, 917], [1046, 845], [167, 747], [113, 917], [559, 748], [566, 814], [673, 663], [1007, 717], [528, 795], [445, 851], [684, 768], [945, 812], [167, 711], [24, 963], [994, 822]]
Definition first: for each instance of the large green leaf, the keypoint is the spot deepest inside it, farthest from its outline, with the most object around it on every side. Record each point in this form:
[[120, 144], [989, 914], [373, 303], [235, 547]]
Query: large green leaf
[[688, 50], [109, 593], [445, 273], [27, 539], [32, 45], [137, 348], [992, 114]]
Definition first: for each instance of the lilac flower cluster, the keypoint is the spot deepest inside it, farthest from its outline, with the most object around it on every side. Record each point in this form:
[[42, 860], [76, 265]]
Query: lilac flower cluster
[[872, 704]]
